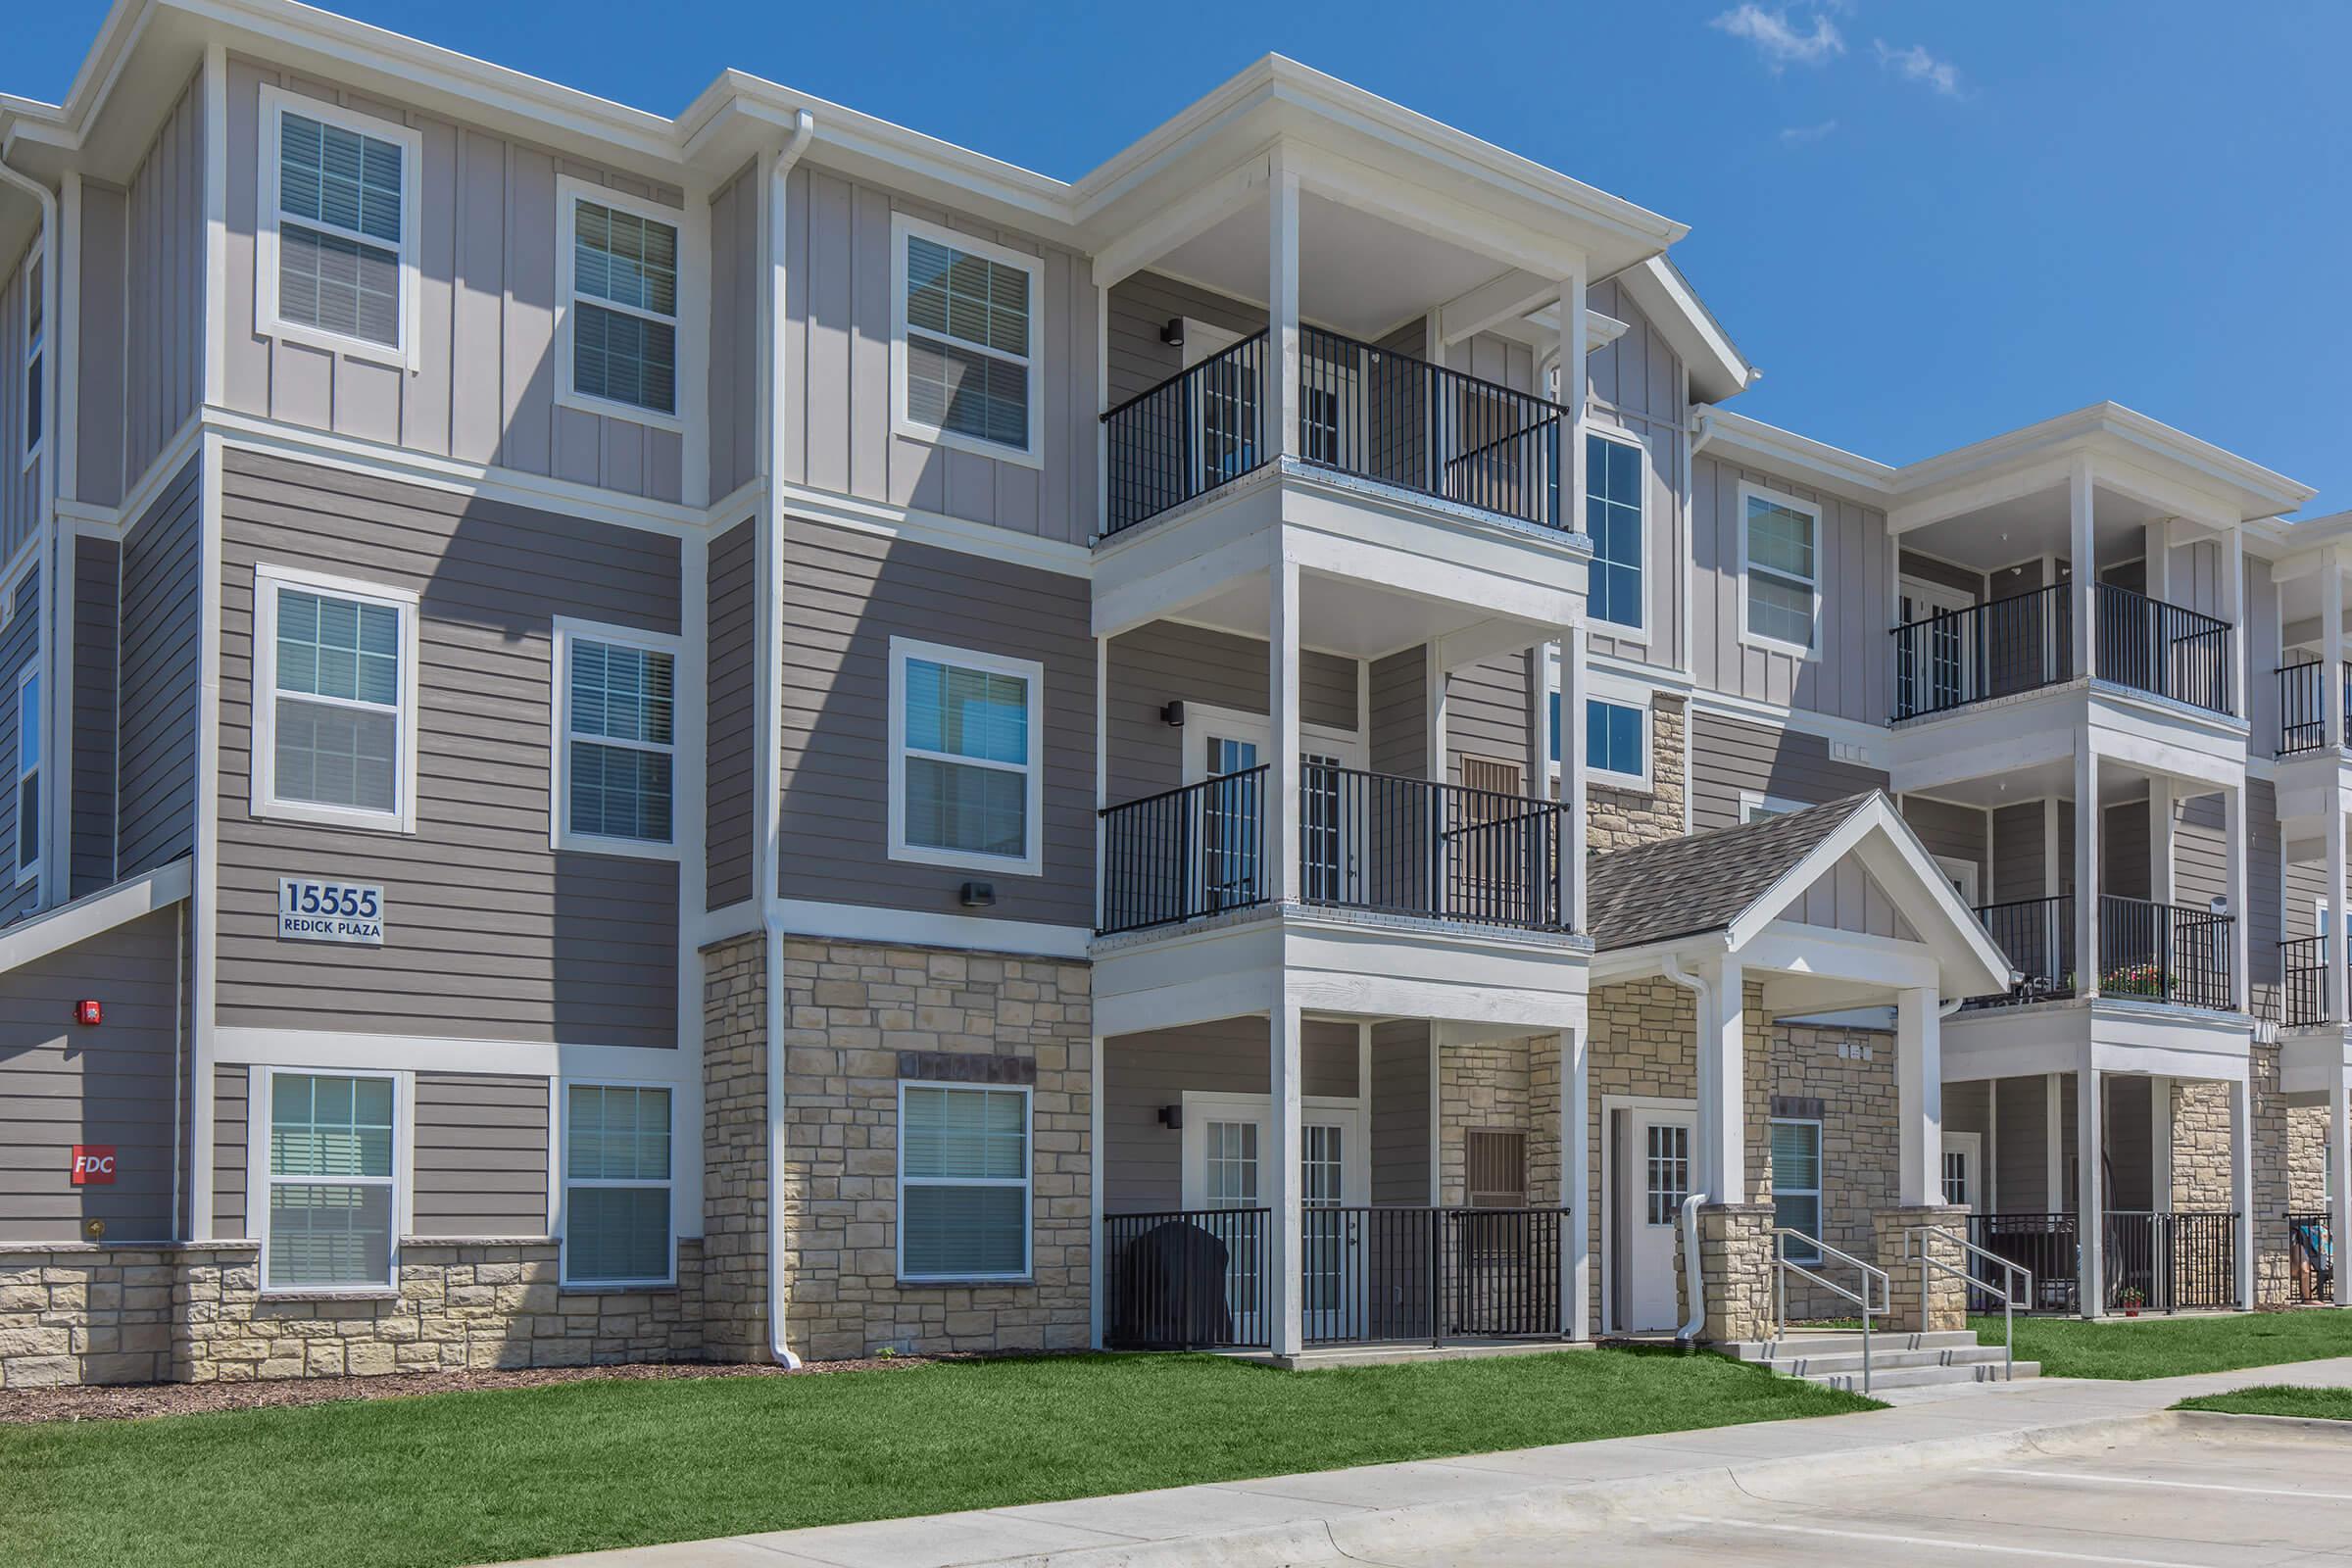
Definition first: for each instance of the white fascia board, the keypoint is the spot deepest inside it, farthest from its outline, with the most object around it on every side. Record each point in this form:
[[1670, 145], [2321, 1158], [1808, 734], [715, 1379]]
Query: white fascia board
[[1800, 458], [1718, 370], [87, 917], [2113, 430]]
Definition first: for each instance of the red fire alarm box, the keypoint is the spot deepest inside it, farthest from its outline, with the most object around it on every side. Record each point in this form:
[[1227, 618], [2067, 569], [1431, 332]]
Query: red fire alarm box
[[87, 1012], [93, 1164]]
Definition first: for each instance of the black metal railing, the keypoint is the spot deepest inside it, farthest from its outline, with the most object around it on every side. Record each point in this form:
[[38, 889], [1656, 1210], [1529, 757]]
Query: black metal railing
[[2164, 1262], [2303, 982], [2161, 649], [1997, 649], [2303, 706], [2038, 937], [1184, 853], [2045, 1245], [2165, 952], [1187, 1280], [2310, 1255], [1188, 435]]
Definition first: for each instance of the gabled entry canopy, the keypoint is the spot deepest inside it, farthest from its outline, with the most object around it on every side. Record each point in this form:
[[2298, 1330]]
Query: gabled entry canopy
[[1839, 903]]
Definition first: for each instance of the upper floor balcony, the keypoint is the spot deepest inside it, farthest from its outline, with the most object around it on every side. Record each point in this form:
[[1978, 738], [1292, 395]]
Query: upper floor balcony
[[1956, 658], [2304, 724]]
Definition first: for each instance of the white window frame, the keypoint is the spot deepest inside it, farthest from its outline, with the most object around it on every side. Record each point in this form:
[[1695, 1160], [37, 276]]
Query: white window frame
[[1602, 690], [1820, 1192], [570, 193], [559, 834], [1751, 802], [1749, 493], [1960, 869], [1636, 632], [30, 675], [37, 280], [1027, 1184], [1033, 863], [902, 228], [275, 103], [268, 579], [564, 1183], [260, 1097]]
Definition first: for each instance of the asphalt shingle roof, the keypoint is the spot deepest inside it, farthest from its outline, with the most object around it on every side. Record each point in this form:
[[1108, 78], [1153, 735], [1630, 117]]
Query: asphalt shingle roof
[[1688, 886]]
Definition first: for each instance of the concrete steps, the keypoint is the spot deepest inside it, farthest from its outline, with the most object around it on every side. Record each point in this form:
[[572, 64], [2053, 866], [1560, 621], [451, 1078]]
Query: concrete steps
[[1896, 1360]]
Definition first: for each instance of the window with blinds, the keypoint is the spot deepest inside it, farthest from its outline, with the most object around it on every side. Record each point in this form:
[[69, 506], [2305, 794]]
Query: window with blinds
[[616, 1184], [620, 740], [330, 1199], [1780, 578], [966, 761], [1797, 1184], [624, 309], [340, 220], [337, 699], [967, 335], [963, 1182]]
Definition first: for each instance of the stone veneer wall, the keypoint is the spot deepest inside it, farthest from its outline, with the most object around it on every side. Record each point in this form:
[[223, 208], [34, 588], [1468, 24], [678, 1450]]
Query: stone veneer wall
[[1486, 1085], [2289, 1165], [1619, 819], [735, 1326], [194, 1312], [1852, 1072], [851, 1007]]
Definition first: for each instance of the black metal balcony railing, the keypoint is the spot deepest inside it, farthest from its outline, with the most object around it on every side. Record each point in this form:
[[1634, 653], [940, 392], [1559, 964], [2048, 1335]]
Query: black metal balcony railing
[[2020, 644], [1186, 1280], [2161, 952], [2303, 982], [1361, 409], [2156, 1262], [2303, 706], [2162, 648], [2044, 1245], [2312, 1255], [1366, 840]]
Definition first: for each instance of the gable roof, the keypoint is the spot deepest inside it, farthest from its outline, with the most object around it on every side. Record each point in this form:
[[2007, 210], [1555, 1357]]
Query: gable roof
[[1688, 887]]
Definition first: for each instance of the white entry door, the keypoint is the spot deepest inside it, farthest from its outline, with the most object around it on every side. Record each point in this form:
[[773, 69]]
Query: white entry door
[[1963, 1170], [1226, 1139], [1331, 818], [1936, 663], [1651, 1180]]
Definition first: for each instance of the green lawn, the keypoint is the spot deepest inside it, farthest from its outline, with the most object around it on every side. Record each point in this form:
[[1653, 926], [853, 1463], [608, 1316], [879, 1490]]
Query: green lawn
[[2273, 1399], [2163, 1348], [463, 1478]]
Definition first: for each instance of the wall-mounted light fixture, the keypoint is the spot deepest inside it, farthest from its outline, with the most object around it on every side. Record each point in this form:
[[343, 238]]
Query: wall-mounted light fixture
[[1172, 715], [1172, 1117], [1172, 334], [977, 894]]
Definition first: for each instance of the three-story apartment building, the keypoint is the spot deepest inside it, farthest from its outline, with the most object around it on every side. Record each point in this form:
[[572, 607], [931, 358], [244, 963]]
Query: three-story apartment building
[[755, 735]]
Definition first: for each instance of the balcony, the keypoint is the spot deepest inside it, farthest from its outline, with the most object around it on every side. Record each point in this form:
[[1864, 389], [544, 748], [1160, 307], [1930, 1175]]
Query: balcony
[[1370, 841], [1364, 412], [2007, 646], [2303, 706], [2164, 952], [2162, 1262]]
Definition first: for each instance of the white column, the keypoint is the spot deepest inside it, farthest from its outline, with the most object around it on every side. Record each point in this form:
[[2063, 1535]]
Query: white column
[[1573, 655], [1723, 1085], [2331, 645], [2336, 948], [1573, 374], [1102, 765], [1433, 678], [2160, 838], [2233, 839], [2340, 1171], [2085, 566], [1576, 1181], [1537, 660], [2090, 1206], [2087, 866], [2052, 883], [2241, 1186], [2053, 1105], [2159, 1144], [1918, 1096], [1095, 1174], [2234, 561], [2159, 562], [1282, 726], [1285, 1241], [1281, 391]]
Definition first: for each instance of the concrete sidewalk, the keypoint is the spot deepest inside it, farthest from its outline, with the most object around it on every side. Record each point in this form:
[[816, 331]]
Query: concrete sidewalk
[[1429, 1504]]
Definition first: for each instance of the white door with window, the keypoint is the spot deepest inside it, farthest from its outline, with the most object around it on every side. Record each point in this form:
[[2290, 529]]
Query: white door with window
[[1936, 662], [1963, 1170], [1227, 745], [1227, 1137], [1651, 1179]]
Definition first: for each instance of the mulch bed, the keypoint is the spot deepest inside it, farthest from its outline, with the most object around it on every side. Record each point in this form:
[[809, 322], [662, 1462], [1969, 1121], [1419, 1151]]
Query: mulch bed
[[140, 1400]]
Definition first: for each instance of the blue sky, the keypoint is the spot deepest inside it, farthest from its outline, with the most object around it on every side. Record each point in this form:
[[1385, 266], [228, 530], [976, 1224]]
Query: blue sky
[[1926, 222]]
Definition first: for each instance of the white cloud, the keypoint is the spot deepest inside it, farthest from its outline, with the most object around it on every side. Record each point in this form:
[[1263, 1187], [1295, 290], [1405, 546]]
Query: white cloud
[[1915, 64], [1777, 41], [1806, 135]]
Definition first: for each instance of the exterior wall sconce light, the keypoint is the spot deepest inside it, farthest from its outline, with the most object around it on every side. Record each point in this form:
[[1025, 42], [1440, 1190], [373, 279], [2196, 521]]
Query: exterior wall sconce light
[[1172, 1117], [1172, 334], [977, 894], [1173, 715]]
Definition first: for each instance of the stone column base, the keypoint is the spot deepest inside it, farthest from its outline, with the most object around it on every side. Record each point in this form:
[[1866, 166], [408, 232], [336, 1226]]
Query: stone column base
[[1940, 1301], [1735, 1256]]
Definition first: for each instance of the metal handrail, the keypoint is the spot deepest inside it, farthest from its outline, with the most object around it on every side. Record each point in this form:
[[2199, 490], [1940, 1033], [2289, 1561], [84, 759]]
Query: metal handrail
[[1787, 1265], [2009, 1267]]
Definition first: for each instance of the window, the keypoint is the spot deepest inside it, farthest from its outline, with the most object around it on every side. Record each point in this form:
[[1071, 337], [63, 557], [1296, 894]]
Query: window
[[617, 740], [1797, 1184], [1778, 571], [335, 701], [617, 278], [966, 762], [966, 317], [28, 774], [1754, 807], [1614, 741], [1613, 486], [1667, 1174], [337, 253], [36, 316], [331, 1210], [616, 1184], [963, 1182]]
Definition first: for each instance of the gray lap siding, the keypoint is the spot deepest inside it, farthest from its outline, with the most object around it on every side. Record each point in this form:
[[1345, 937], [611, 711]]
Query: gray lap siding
[[731, 709], [97, 586], [161, 619], [20, 646], [489, 932]]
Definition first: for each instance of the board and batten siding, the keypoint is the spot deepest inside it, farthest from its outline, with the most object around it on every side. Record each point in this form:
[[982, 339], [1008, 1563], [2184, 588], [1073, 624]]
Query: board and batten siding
[[736, 223], [1851, 672], [1143, 1162], [480, 1166], [838, 433], [97, 566], [489, 933], [1731, 756], [116, 1083], [485, 387], [161, 681], [1634, 387], [731, 710], [846, 594], [1167, 661]]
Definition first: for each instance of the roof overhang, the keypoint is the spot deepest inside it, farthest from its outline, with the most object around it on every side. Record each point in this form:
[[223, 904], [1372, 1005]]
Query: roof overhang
[[93, 914]]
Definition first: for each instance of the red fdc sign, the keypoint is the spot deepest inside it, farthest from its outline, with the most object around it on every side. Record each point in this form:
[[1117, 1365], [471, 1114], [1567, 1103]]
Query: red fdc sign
[[93, 1164]]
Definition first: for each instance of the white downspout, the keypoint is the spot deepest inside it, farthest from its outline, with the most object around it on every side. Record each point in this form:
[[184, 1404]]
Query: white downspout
[[768, 866], [1695, 1324]]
